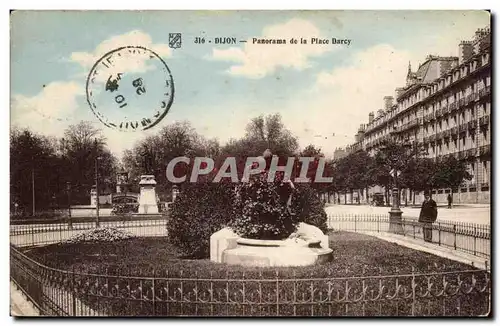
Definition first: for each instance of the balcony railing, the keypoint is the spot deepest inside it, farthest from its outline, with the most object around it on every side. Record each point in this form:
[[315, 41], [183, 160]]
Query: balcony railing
[[485, 184], [472, 125], [471, 153], [438, 113], [484, 120], [461, 102], [462, 155], [447, 133], [453, 106], [462, 128], [445, 110], [485, 92], [454, 130], [484, 150]]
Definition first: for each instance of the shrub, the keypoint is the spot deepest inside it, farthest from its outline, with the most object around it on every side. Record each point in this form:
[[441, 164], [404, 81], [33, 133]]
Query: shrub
[[199, 210], [261, 212], [308, 206]]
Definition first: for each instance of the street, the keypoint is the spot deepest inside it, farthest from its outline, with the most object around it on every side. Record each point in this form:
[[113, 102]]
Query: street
[[468, 214]]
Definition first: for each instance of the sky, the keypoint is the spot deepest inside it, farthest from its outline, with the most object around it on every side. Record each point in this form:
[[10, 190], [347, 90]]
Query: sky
[[323, 92]]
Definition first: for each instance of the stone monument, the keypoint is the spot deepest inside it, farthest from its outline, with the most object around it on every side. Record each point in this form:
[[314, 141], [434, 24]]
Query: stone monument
[[308, 245], [147, 196]]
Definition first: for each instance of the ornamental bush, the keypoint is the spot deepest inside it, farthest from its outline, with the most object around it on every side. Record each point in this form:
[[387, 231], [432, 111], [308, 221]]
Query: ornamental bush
[[199, 210], [308, 206], [260, 210]]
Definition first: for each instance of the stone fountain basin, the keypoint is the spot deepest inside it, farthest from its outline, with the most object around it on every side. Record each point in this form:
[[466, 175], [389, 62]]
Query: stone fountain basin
[[276, 253]]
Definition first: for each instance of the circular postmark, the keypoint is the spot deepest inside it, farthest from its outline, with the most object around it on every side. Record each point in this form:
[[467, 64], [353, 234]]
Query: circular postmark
[[130, 88]]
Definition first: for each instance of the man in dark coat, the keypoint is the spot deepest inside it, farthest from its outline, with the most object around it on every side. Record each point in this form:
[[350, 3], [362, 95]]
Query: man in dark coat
[[428, 215], [450, 200]]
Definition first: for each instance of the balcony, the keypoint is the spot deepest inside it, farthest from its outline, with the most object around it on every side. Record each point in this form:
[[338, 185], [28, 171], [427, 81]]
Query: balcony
[[462, 128], [453, 106], [484, 92], [461, 102], [471, 125], [462, 155], [471, 153], [446, 133], [485, 184], [438, 113], [484, 120], [445, 110], [432, 138], [485, 150]]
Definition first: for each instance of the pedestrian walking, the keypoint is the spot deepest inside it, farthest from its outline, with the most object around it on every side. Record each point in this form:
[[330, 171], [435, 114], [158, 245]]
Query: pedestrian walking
[[428, 215], [450, 201]]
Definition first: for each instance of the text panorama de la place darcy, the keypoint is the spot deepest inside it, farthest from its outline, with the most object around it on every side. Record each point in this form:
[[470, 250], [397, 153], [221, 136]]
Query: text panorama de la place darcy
[[279, 41]]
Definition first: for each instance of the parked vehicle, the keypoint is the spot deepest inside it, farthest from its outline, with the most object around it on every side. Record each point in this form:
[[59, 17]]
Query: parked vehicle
[[378, 199]]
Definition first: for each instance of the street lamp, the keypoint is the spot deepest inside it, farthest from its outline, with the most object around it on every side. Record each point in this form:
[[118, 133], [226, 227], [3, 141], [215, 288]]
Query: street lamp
[[68, 190], [97, 181], [97, 189]]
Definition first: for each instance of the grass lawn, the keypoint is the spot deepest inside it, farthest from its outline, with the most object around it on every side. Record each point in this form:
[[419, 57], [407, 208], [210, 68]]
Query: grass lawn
[[218, 289], [354, 255]]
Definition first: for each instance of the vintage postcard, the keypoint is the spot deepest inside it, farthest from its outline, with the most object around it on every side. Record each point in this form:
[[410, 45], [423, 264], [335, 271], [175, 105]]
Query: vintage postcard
[[250, 163]]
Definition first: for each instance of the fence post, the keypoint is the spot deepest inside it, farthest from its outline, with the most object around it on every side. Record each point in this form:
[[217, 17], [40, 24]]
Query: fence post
[[355, 223], [277, 294], [413, 294], [439, 233], [455, 236], [153, 291], [73, 299], [475, 235], [378, 224]]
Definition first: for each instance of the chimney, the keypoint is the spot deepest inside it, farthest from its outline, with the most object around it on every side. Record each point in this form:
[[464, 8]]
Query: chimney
[[465, 51], [388, 102], [356, 138], [371, 116], [399, 91], [380, 113]]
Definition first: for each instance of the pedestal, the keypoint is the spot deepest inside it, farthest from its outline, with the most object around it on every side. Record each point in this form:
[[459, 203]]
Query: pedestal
[[147, 196], [395, 221]]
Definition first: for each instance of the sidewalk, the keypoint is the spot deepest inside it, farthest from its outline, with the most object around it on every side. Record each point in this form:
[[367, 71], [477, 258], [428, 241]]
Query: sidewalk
[[19, 305], [416, 244]]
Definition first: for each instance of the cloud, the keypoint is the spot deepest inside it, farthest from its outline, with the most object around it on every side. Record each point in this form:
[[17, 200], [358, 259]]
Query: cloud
[[258, 60], [341, 98], [132, 38], [49, 110]]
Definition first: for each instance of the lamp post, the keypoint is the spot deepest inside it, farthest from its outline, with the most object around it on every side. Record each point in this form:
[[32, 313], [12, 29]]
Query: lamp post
[[68, 190], [97, 190], [395, 219]]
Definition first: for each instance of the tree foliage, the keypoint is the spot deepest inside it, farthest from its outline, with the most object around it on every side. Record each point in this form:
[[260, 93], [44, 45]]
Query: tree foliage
[[50, 164]]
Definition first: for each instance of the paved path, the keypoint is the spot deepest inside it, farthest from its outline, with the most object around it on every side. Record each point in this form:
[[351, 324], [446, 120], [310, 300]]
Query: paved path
[[434, 249], [19, 305], [480, 214]]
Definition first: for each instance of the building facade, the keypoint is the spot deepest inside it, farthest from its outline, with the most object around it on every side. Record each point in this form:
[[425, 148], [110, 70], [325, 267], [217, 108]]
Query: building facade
[[446, 106]]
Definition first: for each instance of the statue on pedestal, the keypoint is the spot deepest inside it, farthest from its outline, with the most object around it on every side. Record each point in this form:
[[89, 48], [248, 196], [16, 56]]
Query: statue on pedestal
[[148, 200]]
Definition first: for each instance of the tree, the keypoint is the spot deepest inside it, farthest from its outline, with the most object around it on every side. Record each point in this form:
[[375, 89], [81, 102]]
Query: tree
[[270, 132], [451, 173], [34, 163], [394, 157], [81, 145], [174, 140]]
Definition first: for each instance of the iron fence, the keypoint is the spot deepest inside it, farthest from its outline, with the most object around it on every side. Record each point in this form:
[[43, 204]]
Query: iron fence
[[44, 234], [162, 293], [470, 238]]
